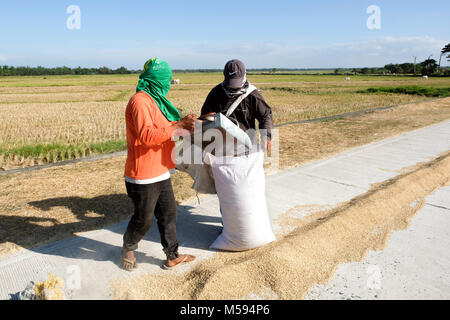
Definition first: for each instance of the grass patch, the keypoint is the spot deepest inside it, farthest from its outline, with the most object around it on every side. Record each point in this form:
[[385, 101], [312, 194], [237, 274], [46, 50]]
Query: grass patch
[[123, 95], [60, 152], [322, 91], [413, 90], [285, 89]]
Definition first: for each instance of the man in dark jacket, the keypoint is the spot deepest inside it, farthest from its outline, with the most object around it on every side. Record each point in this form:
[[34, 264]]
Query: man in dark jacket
[[252, 108]]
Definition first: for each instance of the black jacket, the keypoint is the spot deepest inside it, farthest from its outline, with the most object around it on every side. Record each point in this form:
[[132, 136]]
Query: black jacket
[[252, 108]]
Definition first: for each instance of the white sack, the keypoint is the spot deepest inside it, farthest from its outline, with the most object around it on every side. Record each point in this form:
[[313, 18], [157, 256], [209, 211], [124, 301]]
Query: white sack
[[240, 185], [200, 172]]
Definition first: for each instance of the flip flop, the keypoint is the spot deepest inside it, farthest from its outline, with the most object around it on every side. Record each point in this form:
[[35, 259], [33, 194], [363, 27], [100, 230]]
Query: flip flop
[[131, 264], [165, 266]]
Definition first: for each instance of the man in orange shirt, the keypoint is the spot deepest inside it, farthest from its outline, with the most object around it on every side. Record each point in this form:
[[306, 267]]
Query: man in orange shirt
[[151, 121]]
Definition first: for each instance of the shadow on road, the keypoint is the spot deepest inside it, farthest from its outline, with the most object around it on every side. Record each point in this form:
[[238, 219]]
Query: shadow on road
[[193, 230]]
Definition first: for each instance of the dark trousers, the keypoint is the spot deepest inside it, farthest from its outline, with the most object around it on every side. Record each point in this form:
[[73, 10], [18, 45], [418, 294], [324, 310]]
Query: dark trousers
[[155, 199]]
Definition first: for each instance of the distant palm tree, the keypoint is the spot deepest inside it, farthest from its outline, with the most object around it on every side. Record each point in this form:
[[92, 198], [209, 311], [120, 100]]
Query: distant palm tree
[[429, 66], [444, 50]]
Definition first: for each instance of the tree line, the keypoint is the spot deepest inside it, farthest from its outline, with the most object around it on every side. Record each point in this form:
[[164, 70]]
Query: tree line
[[42, 71], [427, 67]]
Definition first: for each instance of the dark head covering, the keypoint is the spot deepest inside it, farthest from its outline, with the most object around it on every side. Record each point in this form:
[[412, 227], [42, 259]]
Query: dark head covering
[[235, 74]]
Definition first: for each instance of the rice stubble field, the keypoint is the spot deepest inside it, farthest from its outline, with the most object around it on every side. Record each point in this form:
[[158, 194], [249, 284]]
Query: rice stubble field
[[52, 119]]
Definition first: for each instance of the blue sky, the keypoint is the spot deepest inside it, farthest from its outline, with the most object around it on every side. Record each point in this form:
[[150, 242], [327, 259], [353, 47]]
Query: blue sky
[[205, 34]]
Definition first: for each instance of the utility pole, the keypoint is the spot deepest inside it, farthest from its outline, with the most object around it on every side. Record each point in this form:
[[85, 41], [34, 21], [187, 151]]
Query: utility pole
[[415, 60], [427, 65]]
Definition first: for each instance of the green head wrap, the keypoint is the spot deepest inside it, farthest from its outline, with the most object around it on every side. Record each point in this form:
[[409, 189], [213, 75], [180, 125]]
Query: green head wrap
[[155, 81]]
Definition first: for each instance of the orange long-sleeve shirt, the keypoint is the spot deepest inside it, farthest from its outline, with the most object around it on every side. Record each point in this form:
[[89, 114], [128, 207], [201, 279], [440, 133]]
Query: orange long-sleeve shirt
[[149, 140]]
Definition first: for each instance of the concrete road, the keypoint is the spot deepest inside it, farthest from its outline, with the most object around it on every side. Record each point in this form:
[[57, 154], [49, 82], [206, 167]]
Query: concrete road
[[415, 264]]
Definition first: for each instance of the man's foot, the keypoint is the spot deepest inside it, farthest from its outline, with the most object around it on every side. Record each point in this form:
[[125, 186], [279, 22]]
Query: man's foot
[[182, 258], [128, 260]]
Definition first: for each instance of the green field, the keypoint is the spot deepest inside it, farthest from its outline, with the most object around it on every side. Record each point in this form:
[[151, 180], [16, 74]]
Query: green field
[[55, 118]]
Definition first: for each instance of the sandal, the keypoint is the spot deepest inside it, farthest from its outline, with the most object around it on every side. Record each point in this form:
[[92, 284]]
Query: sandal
[[186, 258], [128, 264]]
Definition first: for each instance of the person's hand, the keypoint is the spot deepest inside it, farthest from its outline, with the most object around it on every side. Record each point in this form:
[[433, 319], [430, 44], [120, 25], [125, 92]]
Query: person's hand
[[267, 145], [203, 117], [188, 122]]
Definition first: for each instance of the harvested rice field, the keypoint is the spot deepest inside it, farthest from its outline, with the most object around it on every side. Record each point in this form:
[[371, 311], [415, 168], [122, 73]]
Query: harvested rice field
[[57, 118]]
